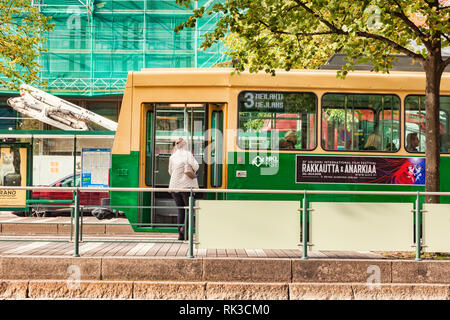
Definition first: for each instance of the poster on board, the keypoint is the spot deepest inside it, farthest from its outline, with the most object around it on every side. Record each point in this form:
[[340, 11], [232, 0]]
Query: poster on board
[[364, 170], [95, 164], [13, 172]]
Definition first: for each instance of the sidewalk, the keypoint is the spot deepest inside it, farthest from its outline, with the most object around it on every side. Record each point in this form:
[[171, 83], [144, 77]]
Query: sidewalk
[[156, 266], [48, 277], [155, 245], [11, 224]]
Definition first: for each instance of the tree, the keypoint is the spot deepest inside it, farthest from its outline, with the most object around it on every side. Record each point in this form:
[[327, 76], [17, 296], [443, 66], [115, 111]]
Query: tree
[[286, 33], [21, 39]]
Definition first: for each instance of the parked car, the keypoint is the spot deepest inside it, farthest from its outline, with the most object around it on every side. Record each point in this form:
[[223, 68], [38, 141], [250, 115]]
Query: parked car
[[59, 209]]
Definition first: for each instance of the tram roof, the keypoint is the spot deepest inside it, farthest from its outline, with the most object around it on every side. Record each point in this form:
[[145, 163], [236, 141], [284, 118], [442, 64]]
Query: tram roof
[[294, 79], [222, 84]]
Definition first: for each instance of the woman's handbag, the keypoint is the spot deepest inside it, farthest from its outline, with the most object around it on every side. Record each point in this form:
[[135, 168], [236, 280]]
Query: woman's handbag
[[189, 171]]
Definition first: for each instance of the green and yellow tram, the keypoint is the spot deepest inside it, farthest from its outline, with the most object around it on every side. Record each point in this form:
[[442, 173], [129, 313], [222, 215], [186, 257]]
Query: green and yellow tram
[[298, 130]]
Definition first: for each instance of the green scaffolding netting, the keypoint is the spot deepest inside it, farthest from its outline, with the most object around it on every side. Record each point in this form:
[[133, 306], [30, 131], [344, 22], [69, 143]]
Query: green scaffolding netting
[[95, 44]]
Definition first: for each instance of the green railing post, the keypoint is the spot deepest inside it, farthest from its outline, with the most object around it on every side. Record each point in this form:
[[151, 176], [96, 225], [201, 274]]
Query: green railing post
[[77, 224], [81, 210], [71, 223], [305, 228], [191, 227], [186, 219], [418, 233]]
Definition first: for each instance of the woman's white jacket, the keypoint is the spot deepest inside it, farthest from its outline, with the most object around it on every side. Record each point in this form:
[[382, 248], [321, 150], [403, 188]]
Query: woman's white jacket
[[179, 180]]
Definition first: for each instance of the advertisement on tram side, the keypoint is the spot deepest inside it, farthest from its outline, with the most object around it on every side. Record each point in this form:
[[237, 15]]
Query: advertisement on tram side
[[361, 170], [13, 172]]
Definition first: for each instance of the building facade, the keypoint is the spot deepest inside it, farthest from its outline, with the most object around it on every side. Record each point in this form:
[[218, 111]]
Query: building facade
[[95, 43], [93, 46]]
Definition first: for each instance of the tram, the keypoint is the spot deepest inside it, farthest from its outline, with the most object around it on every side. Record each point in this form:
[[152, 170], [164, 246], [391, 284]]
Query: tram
[[298, 130]]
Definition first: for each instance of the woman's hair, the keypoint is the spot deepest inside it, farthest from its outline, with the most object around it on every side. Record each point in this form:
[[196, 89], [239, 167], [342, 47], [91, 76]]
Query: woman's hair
[[291, 136], [373, 140], [179, 144], [410, 137]]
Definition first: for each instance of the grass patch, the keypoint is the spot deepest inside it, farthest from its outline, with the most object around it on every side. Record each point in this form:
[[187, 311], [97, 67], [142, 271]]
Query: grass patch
[[412, 255]]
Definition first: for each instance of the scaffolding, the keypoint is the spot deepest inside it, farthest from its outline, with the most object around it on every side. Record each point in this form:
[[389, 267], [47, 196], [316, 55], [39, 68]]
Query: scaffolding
[[95, 43]]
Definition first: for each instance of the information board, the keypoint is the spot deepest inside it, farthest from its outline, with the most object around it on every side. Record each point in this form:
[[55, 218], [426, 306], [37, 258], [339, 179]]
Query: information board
[[95, 164]]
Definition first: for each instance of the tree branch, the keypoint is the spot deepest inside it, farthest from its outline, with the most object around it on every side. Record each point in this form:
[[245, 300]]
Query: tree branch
[[320, 18], [387, 41], [445, 36], [412, 25], [446, 63], [296, 34], [393, 45]]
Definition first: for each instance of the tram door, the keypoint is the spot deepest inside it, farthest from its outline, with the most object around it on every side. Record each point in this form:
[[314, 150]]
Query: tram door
[[164, 123]]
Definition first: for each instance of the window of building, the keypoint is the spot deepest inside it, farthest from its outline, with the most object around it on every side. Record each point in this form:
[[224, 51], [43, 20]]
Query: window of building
[[360, 122], [277, 120], [415, 123], [8, 116]]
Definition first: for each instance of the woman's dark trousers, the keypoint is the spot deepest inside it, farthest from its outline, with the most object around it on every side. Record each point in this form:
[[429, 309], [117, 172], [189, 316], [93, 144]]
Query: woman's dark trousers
[[181, 200]]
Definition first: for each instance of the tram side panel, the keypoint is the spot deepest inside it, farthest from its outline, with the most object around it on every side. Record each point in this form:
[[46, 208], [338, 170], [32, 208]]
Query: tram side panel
[[248, 171], [124, 171], [125, 174]]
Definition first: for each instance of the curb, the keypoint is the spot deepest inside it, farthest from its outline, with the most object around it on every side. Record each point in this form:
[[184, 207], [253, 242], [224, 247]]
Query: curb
[[125, 290], [251, 270]]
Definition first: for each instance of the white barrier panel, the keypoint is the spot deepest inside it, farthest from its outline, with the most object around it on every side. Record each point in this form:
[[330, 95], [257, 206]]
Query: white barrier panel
[[361, 226], [436, 226], [228, 224]]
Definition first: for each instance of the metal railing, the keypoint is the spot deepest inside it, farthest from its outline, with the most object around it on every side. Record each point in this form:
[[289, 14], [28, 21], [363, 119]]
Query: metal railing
[[77, 209]]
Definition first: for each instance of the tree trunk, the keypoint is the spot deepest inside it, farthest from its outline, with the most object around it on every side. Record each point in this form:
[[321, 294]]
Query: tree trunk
[[432, 67]]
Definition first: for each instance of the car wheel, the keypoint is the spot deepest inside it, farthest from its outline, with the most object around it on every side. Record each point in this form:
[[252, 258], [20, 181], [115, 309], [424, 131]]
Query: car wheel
[[38, 212], [102, 213]]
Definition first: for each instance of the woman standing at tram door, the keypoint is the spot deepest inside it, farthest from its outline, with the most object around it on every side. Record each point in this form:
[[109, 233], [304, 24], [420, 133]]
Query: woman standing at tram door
[[182, 171]]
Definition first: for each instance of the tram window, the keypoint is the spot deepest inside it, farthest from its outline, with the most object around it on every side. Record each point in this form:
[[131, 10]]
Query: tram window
[[360, 122], [415, 123], [277, 120]]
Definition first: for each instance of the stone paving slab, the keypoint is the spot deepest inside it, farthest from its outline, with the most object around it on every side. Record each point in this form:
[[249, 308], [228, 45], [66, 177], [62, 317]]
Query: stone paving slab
[[327, 270], [11, 224], [246, 270], [48, 267], [169, 290], [436, 271]]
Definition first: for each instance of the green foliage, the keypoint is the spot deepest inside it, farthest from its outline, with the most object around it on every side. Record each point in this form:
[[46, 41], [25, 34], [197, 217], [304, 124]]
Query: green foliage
[[21, 39], [271, 34], [285, 34], [342, 116], [256, 124]]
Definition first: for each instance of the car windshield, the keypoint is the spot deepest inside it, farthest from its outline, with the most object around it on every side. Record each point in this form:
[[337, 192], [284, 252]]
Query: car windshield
[[68, 182]]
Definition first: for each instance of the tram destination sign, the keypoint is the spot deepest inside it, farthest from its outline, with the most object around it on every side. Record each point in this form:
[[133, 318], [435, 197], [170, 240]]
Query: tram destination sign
[[363, 170], [275, 101]]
